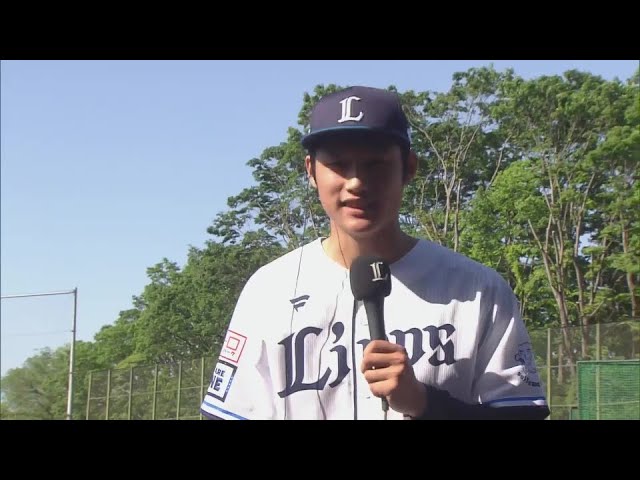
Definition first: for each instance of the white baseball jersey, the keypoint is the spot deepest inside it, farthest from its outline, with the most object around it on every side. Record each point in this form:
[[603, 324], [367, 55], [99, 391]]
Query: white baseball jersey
[[293, 352]]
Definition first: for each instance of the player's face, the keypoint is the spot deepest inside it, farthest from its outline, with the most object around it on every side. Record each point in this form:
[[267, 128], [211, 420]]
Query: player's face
[[359, 186]]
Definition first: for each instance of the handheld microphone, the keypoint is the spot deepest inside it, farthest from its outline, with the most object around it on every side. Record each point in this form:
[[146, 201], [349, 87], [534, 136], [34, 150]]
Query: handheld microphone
[[371, 282]]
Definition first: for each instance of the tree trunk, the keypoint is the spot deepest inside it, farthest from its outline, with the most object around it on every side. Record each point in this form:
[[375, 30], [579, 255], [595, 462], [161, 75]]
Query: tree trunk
[[630, 277]]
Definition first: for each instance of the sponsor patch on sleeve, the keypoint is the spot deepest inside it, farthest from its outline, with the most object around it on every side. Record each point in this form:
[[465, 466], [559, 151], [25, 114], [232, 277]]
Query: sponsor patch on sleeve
[[233, 346], [525, 357], [222, 379]]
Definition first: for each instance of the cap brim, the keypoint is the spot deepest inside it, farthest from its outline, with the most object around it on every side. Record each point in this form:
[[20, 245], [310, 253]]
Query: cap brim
[[313, 140]]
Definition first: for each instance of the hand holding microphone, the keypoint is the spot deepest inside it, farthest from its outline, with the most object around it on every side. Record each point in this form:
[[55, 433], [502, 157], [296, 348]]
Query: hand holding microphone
[[385, 365]]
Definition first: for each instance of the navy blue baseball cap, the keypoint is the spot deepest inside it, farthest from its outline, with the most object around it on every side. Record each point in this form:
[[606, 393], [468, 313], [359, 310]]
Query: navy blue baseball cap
[[358, 110]]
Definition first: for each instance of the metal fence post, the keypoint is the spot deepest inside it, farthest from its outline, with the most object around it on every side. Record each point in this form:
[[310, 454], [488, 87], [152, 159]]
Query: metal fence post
[[130, 393], [201, 383], [598, 371], [106, 415], [89, 394], [549, 369], [72, 356], [155, 392], [179, 389]]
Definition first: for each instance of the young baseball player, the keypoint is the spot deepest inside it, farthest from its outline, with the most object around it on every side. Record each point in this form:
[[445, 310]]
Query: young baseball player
[[298, 346]]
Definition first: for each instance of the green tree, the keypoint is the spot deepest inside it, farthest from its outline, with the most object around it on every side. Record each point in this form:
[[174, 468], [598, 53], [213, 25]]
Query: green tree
[[38, 389], [460, 150], [556, 122], [496, 234], [186, 312], [617, 233]]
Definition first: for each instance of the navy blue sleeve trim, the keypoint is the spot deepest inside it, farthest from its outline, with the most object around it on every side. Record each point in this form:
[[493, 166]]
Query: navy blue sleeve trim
[[442, 406], [210, 416]]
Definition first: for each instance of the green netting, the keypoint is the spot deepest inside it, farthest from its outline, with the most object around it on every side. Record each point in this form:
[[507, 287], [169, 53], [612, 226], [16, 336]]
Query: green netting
[[609, 390]]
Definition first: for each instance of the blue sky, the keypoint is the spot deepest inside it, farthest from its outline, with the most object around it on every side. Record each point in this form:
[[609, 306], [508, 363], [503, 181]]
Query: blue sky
[[109, 166]]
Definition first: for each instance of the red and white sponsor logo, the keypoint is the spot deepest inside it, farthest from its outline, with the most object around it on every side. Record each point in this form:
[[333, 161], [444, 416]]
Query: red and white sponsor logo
[[233, 346]]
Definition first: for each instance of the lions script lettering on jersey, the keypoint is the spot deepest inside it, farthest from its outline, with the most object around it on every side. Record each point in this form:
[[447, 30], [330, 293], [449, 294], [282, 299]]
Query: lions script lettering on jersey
[[303, 360]]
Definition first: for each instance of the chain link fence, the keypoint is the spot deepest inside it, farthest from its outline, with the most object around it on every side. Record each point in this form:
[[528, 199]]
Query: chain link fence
[[156, 392], [175, 391], [560, 351]]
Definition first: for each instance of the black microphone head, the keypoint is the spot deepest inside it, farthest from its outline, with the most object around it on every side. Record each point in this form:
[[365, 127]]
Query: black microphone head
[[370, 277]]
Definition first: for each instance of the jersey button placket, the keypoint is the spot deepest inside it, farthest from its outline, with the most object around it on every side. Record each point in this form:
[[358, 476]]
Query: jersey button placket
[[362, 331]]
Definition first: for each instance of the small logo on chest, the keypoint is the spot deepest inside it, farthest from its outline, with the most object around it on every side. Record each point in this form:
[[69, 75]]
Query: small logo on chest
[[299, 302]]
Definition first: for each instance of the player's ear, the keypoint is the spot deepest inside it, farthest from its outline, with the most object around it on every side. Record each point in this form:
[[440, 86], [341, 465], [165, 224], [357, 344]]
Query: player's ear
[[411, 167], [309, 165]]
